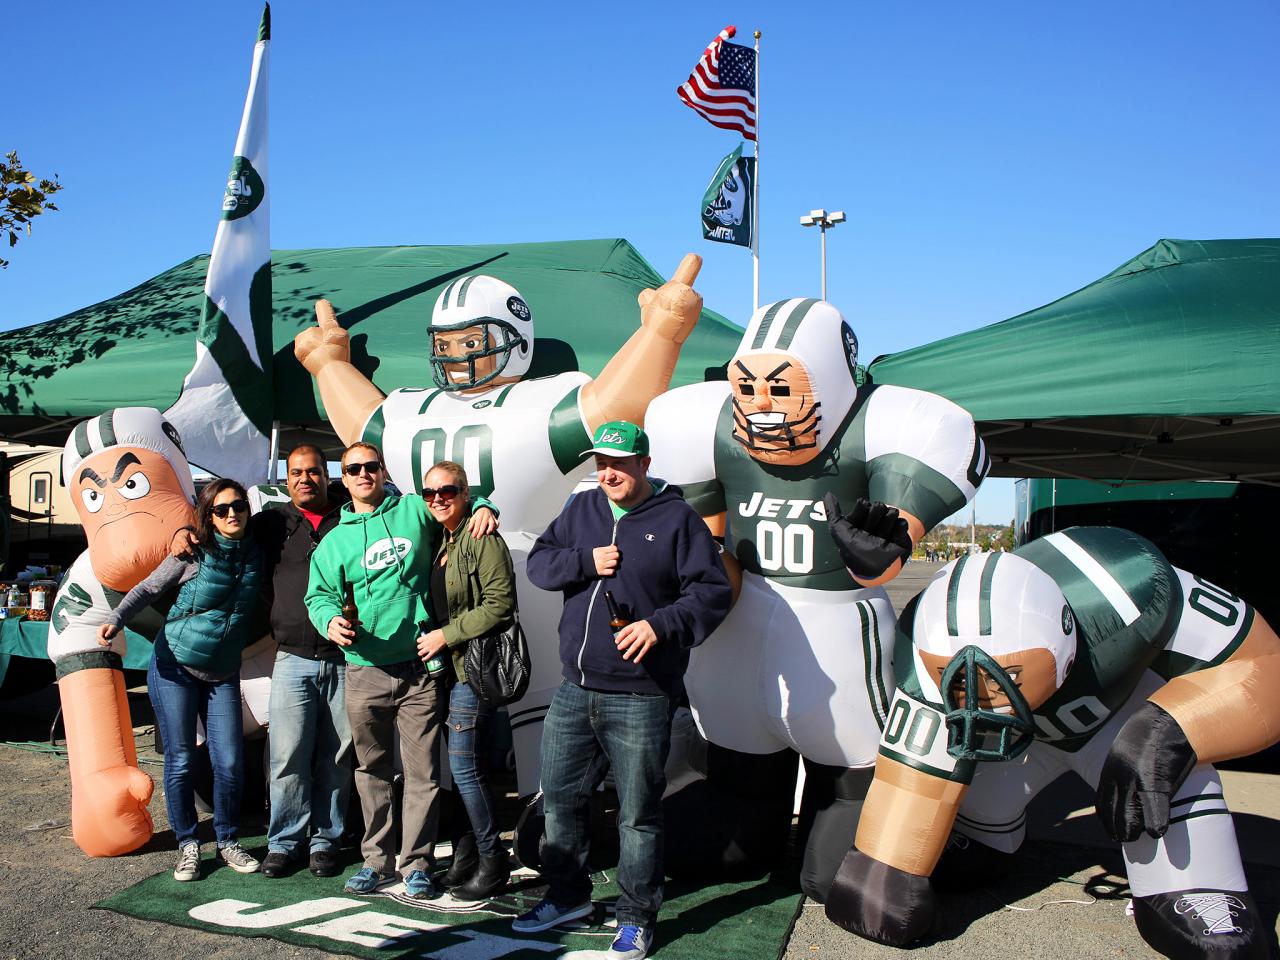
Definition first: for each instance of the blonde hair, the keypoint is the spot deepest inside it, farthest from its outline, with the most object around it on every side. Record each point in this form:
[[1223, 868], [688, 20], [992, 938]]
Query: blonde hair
[[455, 471]]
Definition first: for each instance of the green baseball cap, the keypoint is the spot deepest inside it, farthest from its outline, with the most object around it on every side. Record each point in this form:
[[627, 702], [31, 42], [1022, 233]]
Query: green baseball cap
[[620, 438]]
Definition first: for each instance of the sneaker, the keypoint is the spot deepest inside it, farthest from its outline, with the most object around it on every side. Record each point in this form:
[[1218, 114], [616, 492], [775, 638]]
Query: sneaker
[[238, 859], [367, 880], [419, 886], [188, 867], [547, 915], [631, 943]]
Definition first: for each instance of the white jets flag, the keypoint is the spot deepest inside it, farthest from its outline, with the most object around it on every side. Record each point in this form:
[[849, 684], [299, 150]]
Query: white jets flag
[[224, 413]]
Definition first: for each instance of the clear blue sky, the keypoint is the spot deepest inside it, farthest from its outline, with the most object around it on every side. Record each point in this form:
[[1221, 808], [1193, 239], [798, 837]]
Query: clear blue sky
[[990, 157]]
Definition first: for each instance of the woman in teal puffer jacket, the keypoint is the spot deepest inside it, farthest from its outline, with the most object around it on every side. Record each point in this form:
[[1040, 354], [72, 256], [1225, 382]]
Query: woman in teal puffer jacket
[[195, 670]]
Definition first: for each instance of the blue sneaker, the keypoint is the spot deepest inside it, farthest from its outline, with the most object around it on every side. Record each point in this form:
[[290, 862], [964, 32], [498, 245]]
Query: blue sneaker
[[419, 886], [631, 943], [367, 880], [547, 915]]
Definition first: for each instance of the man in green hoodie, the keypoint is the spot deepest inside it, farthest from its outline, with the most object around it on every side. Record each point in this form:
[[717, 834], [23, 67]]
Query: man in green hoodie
[[380, 555]]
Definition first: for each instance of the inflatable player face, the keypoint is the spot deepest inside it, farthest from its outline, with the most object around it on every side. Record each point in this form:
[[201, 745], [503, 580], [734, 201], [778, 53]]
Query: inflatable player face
[[792, 380], [481, 329], [131, 502]]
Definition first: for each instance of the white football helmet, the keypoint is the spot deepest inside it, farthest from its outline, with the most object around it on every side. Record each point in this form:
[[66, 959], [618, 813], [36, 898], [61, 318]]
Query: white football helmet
[[499, 310]]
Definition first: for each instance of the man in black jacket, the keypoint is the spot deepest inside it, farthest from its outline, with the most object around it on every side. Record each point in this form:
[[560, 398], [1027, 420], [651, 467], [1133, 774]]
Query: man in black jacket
[[635, 545], [310, 735]]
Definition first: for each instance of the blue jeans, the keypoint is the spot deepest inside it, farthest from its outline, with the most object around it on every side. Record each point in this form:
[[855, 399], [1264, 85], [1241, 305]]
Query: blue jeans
[[586, 733], [178, 699], [469, 730], [310, 740]]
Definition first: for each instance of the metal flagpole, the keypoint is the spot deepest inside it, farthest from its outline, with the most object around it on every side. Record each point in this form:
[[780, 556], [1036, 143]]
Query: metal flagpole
[[755, 234], [273, 455]]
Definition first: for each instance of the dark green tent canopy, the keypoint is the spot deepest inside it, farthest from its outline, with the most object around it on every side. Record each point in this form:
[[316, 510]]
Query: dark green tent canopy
[[135, 348], [1164, 369]]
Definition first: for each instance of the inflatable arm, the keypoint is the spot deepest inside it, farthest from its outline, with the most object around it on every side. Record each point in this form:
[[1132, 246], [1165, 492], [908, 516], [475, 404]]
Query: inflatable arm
[[642, 367], [349, 396]]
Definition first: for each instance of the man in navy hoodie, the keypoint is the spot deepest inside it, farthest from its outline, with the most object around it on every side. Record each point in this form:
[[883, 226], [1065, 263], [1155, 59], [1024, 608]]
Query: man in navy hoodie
[[635, 545]]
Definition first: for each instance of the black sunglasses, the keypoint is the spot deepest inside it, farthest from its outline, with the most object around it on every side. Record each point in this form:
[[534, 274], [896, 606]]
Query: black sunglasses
[[447, 492], [370, 466], [220, 510]]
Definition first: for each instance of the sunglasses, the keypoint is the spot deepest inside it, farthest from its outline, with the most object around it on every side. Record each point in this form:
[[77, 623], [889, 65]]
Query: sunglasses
[[220, 510], [447, 492], [355, 469]]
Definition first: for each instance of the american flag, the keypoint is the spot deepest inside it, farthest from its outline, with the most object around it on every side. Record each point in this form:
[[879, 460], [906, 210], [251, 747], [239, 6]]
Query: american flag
[[722, 87]]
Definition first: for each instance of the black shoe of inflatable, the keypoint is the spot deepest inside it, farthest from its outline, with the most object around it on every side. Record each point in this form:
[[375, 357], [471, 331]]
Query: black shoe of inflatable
[[880, 902], [1194, 924], [530, 829]]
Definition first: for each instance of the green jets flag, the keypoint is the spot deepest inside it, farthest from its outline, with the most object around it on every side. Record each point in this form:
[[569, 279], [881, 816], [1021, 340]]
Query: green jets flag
[[224, 413], [728, 214]]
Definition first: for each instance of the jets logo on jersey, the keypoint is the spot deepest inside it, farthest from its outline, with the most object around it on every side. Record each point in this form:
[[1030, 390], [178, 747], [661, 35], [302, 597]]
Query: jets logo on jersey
[[386, 552], [1068, 622], [761, 506], [481, 404]]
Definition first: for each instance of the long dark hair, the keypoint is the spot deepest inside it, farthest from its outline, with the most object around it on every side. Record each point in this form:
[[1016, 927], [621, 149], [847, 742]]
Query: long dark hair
[[204, 508]]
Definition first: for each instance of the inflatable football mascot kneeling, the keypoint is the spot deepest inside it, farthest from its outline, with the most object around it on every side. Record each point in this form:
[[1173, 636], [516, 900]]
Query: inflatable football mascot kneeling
[[1083, 651], [132, 488]]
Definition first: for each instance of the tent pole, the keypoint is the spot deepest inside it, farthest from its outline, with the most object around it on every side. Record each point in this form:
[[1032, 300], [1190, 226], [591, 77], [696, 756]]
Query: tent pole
[[273, 455]]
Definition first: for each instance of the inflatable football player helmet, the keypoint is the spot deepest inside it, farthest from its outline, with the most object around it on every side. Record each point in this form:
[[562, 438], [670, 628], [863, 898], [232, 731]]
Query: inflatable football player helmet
[[501, 345], [997, 636], [801, 354]]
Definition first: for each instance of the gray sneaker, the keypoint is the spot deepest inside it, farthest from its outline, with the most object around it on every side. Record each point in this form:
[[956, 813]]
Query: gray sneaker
[[238, 858], [188, 867], [546, 915]]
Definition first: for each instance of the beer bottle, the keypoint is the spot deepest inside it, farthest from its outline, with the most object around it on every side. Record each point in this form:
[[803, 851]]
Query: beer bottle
[[435, 666], [349, 611], [616, 620]]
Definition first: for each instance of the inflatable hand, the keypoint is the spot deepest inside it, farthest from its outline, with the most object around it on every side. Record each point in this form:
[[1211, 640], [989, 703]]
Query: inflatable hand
[[880, 902], [318, 346], [109, 815], [870, 539], [672, 310], [1145, 766]]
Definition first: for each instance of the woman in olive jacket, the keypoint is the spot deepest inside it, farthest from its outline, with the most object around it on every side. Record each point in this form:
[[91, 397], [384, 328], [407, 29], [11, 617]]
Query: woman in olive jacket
[[473, 593]]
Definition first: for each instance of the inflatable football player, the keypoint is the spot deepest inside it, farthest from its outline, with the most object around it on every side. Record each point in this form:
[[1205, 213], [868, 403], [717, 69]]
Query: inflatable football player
[[129, 479], [801, 665], [521, 440], [1084, 651]]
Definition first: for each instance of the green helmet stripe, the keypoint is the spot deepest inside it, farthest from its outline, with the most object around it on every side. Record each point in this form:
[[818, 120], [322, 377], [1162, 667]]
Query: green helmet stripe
[[953, 597], [462, 291], [444, 304], [984, 595], [107, 428], [766, 322], [793, 323], [81, 435]]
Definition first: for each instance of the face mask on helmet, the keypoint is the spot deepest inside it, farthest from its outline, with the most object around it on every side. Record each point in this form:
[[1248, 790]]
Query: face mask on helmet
[[481, 329], [975, 731]]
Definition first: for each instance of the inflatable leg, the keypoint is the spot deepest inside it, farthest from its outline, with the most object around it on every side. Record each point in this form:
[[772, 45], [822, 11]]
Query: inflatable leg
[[735, 822], [109, 794], [829, 815], [1214, 924]]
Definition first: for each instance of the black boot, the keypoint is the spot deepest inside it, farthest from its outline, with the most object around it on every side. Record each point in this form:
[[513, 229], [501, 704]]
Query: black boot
[[492, 876], [465, 861]]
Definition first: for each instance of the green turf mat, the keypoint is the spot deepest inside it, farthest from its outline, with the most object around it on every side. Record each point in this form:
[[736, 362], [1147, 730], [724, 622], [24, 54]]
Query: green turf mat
[[747, 921]]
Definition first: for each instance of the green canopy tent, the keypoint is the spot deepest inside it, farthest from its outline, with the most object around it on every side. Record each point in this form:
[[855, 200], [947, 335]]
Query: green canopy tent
[[135, 348], [1165, 369]]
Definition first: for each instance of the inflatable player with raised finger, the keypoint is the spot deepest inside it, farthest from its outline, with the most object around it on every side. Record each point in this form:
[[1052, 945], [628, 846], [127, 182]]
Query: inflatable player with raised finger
[[522, 440], [802, 663], [1087, 652]]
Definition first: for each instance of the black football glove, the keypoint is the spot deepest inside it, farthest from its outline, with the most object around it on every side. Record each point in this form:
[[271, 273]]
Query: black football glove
[[870, 538], [1145, 766], [880, 902]]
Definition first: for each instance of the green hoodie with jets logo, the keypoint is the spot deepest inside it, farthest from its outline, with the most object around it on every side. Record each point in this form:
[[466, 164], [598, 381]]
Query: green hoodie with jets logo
[[386, 556]]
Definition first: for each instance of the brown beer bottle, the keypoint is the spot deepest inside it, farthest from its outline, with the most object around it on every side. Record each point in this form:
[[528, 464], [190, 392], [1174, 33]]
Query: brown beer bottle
[[616, 620], [349, 611]]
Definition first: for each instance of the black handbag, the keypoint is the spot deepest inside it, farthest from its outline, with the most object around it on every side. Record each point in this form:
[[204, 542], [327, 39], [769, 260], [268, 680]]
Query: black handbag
[[497, 665]]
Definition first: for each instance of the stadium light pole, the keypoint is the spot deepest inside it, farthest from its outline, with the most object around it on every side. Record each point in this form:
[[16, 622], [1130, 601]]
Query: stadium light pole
[[822, 220]]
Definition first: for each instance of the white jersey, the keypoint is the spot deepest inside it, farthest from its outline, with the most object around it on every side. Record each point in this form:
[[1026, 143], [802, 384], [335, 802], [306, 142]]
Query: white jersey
[[80, 607], [522, 445]]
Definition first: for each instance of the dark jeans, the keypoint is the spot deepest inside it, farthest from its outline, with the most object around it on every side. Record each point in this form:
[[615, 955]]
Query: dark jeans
[[469, 731], [179, 698], [587, 732]]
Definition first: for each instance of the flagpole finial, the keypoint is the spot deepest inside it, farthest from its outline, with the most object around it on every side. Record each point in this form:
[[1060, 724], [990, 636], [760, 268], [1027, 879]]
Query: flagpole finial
[[264, 28], [757, 34]]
